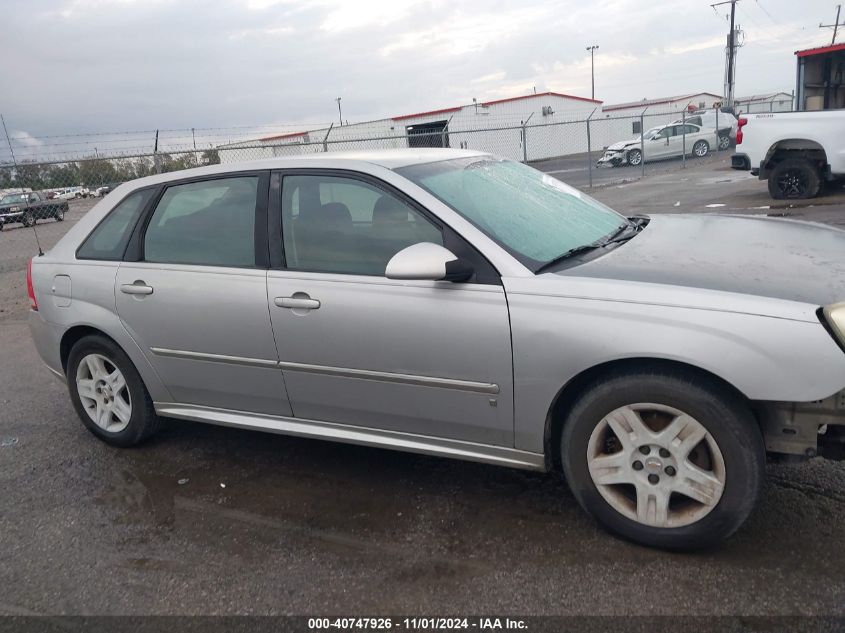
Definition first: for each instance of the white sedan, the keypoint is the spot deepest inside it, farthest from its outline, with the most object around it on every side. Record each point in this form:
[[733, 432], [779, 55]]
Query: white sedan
[[666, 141]]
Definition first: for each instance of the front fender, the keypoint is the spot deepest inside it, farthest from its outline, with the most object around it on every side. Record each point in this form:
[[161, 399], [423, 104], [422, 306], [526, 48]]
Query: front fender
[[766, 358]]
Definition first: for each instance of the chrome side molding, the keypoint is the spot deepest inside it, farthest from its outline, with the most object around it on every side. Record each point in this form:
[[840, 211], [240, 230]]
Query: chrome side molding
[[408, 379], [426, 445], [326, 370]]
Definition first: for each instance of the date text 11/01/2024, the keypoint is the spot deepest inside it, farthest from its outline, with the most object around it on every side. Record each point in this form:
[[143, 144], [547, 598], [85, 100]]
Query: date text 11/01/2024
[[417, 623]]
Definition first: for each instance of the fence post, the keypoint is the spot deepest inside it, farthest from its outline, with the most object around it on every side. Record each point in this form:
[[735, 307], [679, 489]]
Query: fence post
[[684, 139], [156, 158], [525, 139], [326, 137], [443, 133], [590, 149], [642, 142]]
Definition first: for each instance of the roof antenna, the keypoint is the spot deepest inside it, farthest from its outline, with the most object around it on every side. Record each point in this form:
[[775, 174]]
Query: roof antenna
[[15, 164]]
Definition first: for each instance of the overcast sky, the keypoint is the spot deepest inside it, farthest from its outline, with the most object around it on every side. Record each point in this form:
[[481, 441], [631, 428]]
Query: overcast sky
[[109, 65]]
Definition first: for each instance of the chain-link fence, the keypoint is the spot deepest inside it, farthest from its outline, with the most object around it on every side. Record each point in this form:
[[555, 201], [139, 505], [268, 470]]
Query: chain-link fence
[[47, 185]]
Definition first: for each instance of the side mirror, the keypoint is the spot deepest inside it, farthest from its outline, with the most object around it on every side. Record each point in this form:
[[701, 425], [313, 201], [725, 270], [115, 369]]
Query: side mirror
[[427, 261]]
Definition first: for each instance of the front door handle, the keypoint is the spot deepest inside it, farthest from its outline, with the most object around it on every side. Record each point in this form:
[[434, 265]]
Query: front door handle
[[136, 288], [301, 302]]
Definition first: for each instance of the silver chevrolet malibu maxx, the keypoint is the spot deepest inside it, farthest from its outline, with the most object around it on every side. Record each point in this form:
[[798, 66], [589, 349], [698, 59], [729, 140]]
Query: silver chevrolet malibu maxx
[[456, 304]]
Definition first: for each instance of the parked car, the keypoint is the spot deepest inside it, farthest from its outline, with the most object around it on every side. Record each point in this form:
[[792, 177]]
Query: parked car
[[100, 191], [665, 141], [28, 208], [452, 303], [724, 122], [796, 152]]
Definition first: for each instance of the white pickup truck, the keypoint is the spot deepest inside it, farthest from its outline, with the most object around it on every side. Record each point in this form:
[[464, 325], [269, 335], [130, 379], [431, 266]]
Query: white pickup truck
[[795, 151]]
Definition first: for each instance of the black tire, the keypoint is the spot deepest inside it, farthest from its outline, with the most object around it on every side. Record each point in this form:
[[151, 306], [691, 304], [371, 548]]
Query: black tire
[[723, 414], [700, 149], [724, 142], [794, 179], [60, 215], [143, 421], [28, 219], [635, 157]]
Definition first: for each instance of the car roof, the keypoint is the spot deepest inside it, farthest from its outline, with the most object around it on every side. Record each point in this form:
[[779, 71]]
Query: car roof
[[360, 160]]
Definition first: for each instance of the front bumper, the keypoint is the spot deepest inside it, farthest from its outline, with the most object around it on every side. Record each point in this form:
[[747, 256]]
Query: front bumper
[[805, 428], [612, 159], [741, 161]]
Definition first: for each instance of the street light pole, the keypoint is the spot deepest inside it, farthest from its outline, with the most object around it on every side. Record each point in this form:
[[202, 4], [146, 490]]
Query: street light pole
[[592, 50], [339, 113]]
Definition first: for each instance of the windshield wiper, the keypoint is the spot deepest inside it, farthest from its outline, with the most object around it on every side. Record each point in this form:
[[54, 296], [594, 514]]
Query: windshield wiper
[[570, 253], [622, 234]]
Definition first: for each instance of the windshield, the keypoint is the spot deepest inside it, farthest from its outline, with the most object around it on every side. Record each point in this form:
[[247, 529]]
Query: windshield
[[533, 216], [12, 198]]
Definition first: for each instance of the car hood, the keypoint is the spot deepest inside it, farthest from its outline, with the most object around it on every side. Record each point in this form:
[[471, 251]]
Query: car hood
[[767, 257], [624, 144]]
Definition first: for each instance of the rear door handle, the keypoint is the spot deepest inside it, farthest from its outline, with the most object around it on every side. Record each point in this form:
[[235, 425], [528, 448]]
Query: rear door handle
[[136, 288], [297, 303]]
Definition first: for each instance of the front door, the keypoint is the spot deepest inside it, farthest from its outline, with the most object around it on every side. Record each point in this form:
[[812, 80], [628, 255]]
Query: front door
[[356, 348], [196, 303]]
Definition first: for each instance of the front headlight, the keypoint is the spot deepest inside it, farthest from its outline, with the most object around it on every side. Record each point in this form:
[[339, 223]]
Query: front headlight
[[834, 316]]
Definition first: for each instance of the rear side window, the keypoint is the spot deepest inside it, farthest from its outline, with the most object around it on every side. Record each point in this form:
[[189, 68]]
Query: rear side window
[[108, 241], [208, 223]]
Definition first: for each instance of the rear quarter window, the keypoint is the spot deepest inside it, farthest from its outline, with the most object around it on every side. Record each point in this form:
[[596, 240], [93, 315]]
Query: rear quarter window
[[108, 241]]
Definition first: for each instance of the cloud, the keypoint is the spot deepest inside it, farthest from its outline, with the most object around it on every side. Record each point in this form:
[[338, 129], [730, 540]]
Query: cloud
[[113, 65]]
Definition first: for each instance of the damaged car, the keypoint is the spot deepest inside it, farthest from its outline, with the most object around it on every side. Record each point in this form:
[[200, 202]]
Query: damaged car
[[659, 143]]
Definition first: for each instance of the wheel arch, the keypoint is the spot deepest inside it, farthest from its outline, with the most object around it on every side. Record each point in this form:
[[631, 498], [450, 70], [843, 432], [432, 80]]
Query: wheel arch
[[569, 393], [148, 374], [794, 148]]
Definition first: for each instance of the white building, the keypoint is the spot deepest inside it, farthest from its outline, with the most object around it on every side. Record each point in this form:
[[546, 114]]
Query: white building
[[494, 126], [771, 102]]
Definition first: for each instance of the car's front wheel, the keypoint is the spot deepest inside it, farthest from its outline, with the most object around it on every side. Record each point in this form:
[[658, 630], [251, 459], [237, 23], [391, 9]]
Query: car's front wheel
[[108, 393], [60, 215], [28, 219], [664, 459], [635, 157]]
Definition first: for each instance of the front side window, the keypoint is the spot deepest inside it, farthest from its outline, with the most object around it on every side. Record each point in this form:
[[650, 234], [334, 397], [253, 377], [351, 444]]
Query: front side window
[[108, 241], [533, 216], [208, 223], [343, 225]]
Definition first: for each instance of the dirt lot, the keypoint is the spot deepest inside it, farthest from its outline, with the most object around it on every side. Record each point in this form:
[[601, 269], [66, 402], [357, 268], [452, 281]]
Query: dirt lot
[[221, 521]]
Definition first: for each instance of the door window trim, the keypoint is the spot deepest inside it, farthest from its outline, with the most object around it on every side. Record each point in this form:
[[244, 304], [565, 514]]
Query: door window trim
[[485, 272], [135, 249]]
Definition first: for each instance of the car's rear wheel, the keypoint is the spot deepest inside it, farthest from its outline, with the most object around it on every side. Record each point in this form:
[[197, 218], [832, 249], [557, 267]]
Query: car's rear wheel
[[724, 142], [663, 459], [60, 215], [635, 157], [701, 149], [108, 393], [28, 219], [794, 178]]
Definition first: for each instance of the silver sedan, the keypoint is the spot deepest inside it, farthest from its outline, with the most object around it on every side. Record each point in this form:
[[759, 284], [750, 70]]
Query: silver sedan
[[456, 304]]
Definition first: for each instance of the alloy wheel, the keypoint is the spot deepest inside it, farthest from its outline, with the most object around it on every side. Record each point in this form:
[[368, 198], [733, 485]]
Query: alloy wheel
[[700, 149], [656, 465], [103, 393], [793, 183]]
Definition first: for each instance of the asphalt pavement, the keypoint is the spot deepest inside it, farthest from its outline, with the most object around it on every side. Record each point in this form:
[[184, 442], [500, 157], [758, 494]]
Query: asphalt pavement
[[210, 520]]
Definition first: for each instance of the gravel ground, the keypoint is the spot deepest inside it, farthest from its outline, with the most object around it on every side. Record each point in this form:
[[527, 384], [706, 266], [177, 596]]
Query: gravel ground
[[206, 520]]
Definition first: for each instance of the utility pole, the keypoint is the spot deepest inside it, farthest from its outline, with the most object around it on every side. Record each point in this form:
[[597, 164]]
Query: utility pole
[[732, 46], [592, 50], [339, 113], [835, 26]]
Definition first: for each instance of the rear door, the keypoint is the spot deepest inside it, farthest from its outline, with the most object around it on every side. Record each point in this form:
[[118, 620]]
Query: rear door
[[195, 298], [424, 357]]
